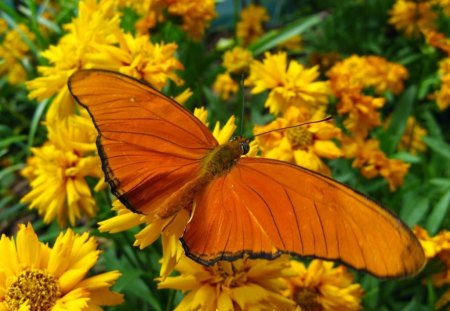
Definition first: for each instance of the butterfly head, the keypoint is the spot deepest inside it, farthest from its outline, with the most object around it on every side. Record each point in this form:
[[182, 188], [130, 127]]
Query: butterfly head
[[244, 144]]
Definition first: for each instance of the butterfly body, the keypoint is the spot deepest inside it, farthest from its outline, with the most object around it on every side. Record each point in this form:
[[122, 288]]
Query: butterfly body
[[159, 159]]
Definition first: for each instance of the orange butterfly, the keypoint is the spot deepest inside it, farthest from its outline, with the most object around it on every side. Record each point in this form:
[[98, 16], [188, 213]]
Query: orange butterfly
[[159, 158]]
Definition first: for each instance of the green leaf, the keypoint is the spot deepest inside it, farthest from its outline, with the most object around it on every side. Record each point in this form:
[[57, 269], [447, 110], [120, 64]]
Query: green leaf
[[399, 119], [438, 214], [414, 209], [438, 145], [276, 37], [35, 121], [406, 157]]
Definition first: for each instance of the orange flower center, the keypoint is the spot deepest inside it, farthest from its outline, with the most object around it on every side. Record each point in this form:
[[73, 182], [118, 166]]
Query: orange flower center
[[306, 299], [299, 137], [36, 288]]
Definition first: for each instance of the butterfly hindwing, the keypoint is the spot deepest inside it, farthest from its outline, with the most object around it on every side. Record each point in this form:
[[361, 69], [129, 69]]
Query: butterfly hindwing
[[266, 207]]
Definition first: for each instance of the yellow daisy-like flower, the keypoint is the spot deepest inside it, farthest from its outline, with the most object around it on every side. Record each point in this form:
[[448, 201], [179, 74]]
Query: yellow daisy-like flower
[[304, 145], [292, 85], [237, 60], [57, 171], [411, 140], [225, 86], [35, 276], [437, 246], [196, 15], [322, 287], [170, 228], [138, 57], [412, 17], [13, 51], [372, 162], [243, 284], [250, 26], [96, 23]]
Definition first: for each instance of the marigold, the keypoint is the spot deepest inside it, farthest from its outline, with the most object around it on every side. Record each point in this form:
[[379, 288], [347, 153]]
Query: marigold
[[304, 145], [412, 17], [411, 140], [372, 161], [171, 228], [237, 60], [250, 26], [13, 51], [225, 86], [243, 284], [196, 15], [370, 71], [437, 246], [322, 287], [438, 40], [57, 171], [37, 277], [288, 85]]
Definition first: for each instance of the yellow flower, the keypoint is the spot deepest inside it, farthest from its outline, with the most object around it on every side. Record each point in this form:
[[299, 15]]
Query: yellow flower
[[372, 162], [196, 15], [288, 85], [225, 86], [95, 25], [170, 228], [304, 145], [411, 140], [243, 284], [249, 28], [437, 246], [13, 51], [57, 171], [445, 5], [138, 57], [322, 287], [237, 60], [37, 277], [293, 44], [412, 17]]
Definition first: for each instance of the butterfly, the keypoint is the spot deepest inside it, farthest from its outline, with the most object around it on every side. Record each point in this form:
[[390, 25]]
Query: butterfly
[[159, 158]]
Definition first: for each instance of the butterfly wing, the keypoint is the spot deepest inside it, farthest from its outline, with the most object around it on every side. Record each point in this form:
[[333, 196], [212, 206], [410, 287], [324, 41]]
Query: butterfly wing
[[150, 145], [264, 208]]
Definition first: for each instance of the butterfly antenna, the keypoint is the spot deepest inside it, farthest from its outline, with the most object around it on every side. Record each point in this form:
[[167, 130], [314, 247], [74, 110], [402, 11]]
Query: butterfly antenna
[[241, 125], [293, 126]]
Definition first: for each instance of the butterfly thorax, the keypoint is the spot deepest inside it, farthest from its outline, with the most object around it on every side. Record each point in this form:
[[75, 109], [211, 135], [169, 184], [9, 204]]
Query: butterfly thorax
[[221, 159], [216, 163]]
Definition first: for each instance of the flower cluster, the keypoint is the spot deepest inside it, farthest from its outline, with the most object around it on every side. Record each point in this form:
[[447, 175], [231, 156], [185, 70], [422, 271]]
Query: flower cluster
[[438, 247], [13, 51]]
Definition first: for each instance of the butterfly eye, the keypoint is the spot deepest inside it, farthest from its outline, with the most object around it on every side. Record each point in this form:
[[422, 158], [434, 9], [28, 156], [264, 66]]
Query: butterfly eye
[[245, 147]]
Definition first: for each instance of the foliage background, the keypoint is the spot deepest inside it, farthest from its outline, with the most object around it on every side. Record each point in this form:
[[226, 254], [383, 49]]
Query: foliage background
[[341, 27]]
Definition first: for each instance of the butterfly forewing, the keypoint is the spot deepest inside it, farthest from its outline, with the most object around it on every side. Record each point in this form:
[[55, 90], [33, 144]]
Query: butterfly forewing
[[150, 145]]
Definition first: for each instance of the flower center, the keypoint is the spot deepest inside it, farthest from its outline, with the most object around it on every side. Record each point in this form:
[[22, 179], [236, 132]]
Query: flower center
[[306, 299], [299, 137], [228, 275], [36, 288]]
